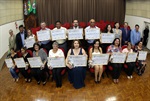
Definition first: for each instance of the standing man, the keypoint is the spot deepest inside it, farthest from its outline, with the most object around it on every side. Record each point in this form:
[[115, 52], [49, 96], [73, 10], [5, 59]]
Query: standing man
[[125, 34], [20, 38], [135, 36], [62, 43], [45, 44]]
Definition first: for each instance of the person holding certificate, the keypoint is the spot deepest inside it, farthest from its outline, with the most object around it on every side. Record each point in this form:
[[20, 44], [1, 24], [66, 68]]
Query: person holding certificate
[[115, 47], [92, 25], [30, 36], [40, 73], [62, 43], [96, 49], [24, 71], [108, 29], [47, 44], [76, 75], [12, 70], [130, 65], [117, 31], [56, 52], [141, 63]]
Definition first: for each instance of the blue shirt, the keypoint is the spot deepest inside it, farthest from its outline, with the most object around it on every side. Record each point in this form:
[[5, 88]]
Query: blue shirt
[[135, 37], [22, 38]]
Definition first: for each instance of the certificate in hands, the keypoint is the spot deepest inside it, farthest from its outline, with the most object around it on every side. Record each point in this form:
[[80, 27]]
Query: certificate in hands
[[107, 38], [20, 62], [43, 35], [100, 59], [75, 34], [58, 34], [131, 57], [56, 62], [9, 63], [80, 60], [118, 57], [35, 62], [93, 33], [142, 55], [29, 42]]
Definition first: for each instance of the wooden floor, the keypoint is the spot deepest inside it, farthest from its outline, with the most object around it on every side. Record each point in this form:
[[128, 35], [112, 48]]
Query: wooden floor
[[136, 89]]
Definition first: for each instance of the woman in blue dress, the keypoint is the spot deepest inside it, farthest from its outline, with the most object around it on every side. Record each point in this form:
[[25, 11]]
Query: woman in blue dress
[[76, 74]]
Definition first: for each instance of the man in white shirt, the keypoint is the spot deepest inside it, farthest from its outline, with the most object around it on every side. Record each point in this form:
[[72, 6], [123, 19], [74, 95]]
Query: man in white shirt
[[62, 43], [92, 25], [48, 43]]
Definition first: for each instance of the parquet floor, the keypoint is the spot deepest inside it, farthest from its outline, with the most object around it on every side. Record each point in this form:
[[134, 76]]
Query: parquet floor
[[136, 89]]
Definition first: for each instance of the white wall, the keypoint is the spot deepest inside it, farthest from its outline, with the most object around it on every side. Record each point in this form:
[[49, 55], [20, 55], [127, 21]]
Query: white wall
[[4, 35], [132, 20]]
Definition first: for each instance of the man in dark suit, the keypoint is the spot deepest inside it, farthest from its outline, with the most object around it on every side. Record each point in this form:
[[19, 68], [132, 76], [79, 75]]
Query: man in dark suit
[[125, 34], [20, 38]]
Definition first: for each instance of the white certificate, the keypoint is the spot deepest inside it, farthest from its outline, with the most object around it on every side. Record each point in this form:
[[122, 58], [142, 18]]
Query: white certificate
[[35, 62], [92, 33], [75, 34], [118, 57], [9, 63], [58, 34], [80, 60], [20, 62], [131, 57], [142, 55], [100, 59], [29, 42], [43, 35], [56, 62], [107, 38]]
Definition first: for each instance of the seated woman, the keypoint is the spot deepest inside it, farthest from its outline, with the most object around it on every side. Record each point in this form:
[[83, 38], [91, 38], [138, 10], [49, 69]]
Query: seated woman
[[130, 65], [96, 49], [12, 70], [77, 74], [141, 63], [55, 52], [115, 47], [24, 71], [40, 73]]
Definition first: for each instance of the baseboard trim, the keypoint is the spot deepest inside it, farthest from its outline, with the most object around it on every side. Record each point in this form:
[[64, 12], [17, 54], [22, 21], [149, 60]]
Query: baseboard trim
[[2, 60]]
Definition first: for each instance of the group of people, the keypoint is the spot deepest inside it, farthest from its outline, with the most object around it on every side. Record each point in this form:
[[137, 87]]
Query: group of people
[[76, 75]]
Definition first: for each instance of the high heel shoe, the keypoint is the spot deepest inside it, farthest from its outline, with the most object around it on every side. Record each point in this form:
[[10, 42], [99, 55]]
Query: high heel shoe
[[44, 83]]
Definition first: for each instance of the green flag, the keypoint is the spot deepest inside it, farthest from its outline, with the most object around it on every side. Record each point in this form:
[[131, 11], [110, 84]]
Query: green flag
[[29, 7], [34, 7]]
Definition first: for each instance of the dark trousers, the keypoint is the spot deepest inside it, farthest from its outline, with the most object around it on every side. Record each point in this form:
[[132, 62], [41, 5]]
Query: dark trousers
[[25, 73], [47, 46], [64, 46], [104, 47], [130, 68], [57, 76], [39, 75], [116, 70]]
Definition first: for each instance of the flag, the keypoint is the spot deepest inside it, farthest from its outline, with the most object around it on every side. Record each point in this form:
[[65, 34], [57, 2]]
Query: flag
[[29, 7], [34, 7], [25, 9]]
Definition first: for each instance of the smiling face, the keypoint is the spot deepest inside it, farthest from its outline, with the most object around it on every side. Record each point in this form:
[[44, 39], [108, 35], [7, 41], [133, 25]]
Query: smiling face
[[76, 44], [117, 42], [23, 51], [117, 25], [92, 23], [55, 47], [140, 44], [96, 45], [36, 47], [43, 25], [12, 51], [58, 25], [129, 46], [109, 28], [29, 32]]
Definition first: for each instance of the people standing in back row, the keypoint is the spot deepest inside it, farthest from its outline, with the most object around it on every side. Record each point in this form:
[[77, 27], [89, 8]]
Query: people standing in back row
[[125, 34], [20, 38], [135, 36], [48, 43], [12, 40]]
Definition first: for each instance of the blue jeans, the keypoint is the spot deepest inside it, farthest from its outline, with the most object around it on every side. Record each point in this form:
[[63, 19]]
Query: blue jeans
[[13, 73]]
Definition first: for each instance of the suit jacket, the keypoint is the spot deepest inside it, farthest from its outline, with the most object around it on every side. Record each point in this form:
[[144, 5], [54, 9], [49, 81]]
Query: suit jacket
[[12, 43], [19, 43], [125, 37]]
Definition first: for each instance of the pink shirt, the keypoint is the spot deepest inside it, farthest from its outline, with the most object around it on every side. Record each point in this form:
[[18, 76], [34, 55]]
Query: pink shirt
[[125, 50]]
